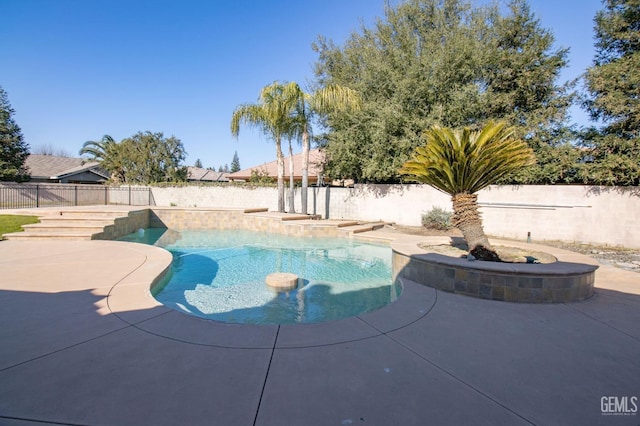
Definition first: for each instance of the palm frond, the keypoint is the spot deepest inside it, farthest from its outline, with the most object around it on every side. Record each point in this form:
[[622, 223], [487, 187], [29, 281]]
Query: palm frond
[[466, 161]]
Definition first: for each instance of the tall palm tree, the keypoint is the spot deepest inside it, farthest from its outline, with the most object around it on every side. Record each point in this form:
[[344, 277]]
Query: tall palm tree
[[328, 99], [108, 153], [273, 115], [461, 163]]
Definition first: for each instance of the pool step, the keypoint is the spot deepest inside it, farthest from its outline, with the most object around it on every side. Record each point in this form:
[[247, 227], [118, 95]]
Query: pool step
[[70, 225], [363, 227], [73, 235]]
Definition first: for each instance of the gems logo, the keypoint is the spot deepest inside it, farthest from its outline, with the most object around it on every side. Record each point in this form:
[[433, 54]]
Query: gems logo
[[619, 405]]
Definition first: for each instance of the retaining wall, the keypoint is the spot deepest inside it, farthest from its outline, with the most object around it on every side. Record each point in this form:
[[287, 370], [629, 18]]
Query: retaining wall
[[599, 215]]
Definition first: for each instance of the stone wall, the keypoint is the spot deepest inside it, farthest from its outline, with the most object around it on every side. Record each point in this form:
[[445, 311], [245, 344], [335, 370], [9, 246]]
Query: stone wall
[[599, 215]]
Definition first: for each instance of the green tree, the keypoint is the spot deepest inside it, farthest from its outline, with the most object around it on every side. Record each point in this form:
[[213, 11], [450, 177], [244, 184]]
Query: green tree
[[143, 158], [235, 163], [522, 69], [198, 163], [443, 62], [461, 163], [13, 149], [273, 116], [333, 98], [613, 86], [151, 158], [109, 154]]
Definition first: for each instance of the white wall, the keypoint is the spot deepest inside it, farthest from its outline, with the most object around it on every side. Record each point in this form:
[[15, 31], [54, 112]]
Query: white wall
[[600, 215]]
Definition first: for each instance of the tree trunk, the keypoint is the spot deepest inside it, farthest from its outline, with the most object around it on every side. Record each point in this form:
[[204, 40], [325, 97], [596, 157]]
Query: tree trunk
[[292, 195], [466, 218], [280, 176], [305, 171]]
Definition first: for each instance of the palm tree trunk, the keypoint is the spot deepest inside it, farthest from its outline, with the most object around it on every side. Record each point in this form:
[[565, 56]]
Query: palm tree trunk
[[466, 218], [292, 195], [280, 158], [305, 170]]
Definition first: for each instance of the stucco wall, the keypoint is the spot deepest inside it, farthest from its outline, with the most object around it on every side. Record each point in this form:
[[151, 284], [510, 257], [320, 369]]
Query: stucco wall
[[599, 215]]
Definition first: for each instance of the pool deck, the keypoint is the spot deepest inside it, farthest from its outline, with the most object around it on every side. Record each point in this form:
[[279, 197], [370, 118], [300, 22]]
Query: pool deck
[[82, 343]]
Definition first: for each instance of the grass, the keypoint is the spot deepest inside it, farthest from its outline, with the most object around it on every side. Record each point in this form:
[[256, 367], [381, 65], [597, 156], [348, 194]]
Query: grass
[[13, 223]]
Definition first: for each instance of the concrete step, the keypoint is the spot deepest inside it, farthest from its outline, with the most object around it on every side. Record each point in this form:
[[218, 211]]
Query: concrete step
[[59, 235], [40, 228], [79, 221], [362, 227], [112, 214], [300, 217]]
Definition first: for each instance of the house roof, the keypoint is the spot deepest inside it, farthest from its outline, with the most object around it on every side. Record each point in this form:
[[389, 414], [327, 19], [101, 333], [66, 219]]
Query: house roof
[[205, 175], [316, 159], [52, 167]]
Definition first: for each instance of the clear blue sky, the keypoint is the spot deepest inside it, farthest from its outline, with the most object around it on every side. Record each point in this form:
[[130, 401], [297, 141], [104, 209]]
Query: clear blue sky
[[75, 70]]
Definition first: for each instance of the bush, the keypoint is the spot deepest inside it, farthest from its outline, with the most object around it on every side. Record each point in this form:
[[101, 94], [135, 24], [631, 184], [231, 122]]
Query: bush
[[437, 218]]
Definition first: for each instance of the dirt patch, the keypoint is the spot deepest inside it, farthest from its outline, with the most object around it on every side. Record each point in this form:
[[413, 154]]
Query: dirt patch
[[507, 254]]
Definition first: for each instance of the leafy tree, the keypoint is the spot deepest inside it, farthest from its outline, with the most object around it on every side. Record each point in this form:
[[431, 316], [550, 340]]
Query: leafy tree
[[332, 98], [198, 164], [150, 158], [143, 158], [13, 149], [441, 62], [272, 114], [461, 163], [109, 154], [613, 85], [522, 70], [235, 163]]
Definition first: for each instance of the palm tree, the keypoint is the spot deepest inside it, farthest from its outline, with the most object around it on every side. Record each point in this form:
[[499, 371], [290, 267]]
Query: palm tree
[[107, 152], [461, 163], [273, 115], [332, 98]]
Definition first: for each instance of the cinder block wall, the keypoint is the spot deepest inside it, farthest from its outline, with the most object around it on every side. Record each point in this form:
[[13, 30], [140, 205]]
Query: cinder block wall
[[599, 215]]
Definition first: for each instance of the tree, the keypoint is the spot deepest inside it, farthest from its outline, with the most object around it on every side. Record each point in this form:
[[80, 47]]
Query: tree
[[521, 73], [151, 158], [613, 85], [332, 98], [461, 163], [13, 149], [143, 158], [109, 154], [235, 163], [272, 115], [443, 62], [198, 164], [51, 150]]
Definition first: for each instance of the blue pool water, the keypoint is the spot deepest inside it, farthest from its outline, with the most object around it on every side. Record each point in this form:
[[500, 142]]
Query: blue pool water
[[220, 275]]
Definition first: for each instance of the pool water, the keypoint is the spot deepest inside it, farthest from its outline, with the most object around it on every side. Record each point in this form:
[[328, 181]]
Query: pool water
[[220, 275]]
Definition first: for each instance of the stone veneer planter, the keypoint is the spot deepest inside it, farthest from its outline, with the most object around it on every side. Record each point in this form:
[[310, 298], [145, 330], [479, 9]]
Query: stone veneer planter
[[570, 279]]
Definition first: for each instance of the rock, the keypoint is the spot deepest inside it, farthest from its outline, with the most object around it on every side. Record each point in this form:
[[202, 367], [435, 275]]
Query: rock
[[471, 257]]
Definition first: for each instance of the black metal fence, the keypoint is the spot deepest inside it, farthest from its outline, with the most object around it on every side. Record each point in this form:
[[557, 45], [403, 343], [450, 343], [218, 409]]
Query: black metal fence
[[29, 195]]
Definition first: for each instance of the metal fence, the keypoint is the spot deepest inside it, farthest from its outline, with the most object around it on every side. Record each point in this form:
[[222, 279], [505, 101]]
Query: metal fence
[[29, 195]]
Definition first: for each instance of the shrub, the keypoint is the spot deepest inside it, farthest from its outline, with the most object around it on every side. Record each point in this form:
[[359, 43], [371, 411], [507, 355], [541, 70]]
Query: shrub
[[437, 218]]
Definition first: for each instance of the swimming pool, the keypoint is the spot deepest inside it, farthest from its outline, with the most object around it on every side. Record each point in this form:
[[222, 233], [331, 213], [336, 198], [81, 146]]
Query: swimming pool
[[220, 275]]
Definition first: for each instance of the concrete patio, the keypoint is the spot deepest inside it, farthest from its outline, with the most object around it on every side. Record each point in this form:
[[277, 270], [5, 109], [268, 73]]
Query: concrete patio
[[78, 347]]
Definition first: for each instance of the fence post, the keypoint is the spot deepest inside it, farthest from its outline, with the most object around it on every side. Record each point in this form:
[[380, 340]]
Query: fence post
[[75, 195], [106, 195], [37, 195], [129, 194]]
